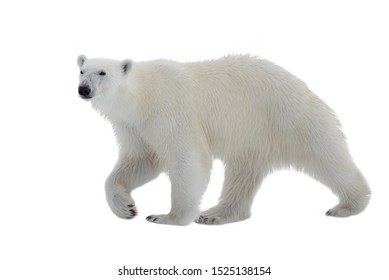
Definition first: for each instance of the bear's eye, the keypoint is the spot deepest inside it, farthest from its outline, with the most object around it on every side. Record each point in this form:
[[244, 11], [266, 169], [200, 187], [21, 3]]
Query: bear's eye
[[81, 72], [102, 73]]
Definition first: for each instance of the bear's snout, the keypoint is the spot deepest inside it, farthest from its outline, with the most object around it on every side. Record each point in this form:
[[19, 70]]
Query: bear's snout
[[84, 91]]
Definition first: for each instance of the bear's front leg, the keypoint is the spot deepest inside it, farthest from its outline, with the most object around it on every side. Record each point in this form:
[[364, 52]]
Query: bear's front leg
[[189, 178], [120, 201], [127, 175]]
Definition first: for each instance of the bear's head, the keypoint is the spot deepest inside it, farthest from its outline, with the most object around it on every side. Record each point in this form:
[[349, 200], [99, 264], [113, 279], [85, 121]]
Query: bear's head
[[101, 78]]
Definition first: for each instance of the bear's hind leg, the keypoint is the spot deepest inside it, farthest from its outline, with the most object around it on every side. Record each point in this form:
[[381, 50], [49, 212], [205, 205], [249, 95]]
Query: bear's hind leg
[[242, 180], [345, 181]]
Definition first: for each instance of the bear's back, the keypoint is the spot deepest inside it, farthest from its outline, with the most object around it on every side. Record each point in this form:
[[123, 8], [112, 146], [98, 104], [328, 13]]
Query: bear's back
[[247, 103]]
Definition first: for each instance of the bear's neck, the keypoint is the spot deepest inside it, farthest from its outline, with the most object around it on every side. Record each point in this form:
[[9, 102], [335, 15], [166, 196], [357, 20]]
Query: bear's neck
[[117, 110]]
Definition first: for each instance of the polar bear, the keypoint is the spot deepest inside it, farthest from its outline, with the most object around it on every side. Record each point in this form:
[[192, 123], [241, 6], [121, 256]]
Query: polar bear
[[248, 112]]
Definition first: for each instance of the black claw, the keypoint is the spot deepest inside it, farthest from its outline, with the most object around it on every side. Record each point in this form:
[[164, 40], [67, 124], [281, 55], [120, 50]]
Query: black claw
[[148, 218], [328, 213], [155, 219], [130, 205], [133, 212]]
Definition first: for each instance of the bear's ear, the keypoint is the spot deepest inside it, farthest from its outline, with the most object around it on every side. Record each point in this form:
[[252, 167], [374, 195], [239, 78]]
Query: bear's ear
[[80, 60], [126, 65]]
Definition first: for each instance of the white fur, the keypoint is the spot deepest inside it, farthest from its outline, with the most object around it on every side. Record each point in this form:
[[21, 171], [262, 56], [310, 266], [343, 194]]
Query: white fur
[[250, 113]]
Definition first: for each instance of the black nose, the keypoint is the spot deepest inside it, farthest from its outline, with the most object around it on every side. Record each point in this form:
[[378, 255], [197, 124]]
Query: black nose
[[84, 91]]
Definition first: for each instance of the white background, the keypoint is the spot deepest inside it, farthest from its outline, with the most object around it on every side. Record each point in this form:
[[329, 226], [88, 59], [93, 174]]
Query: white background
[[56, 152]]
